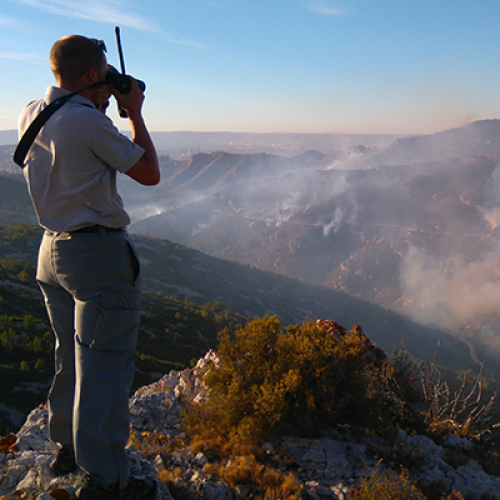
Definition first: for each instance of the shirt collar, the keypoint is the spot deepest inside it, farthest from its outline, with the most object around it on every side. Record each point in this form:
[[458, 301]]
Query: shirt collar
[[54, 92]]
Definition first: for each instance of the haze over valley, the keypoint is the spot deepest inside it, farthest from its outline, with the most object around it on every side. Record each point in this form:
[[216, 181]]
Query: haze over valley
[[407, 223], [412, 226], [397, 234]]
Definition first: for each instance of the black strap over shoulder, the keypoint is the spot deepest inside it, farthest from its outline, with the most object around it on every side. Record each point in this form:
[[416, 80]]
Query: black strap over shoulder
[[31, 132]]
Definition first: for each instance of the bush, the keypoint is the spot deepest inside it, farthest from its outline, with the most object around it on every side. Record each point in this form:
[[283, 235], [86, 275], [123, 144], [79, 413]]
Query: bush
[[460, 413], [397, 382], [312, 376], [300, 379], [391, 486]]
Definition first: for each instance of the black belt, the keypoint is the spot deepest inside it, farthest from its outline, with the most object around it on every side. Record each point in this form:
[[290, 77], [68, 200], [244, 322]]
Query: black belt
[[97, 229]]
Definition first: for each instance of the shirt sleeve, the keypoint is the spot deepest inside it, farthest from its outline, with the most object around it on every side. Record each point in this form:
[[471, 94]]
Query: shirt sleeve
[[114, 148]]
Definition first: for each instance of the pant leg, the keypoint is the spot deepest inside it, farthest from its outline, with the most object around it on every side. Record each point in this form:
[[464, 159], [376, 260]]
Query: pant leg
[[60, 309], [60, 306], [105, 365], [98, 271]]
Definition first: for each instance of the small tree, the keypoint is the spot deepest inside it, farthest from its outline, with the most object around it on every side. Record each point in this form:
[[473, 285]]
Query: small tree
[[303, 378]]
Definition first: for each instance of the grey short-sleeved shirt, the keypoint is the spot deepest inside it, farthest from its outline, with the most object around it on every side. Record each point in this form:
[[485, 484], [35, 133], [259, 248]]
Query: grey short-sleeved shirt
[[71, 167]]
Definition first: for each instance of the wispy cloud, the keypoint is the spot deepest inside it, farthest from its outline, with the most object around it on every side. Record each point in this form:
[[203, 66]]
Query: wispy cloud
[[108, 11], [187, 43], [11, 23], [18, 56], [325, 8], [114, 12]]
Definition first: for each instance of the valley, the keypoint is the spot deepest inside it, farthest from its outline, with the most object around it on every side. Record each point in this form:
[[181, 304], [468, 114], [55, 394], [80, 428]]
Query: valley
[[402, 239], [394, 235]]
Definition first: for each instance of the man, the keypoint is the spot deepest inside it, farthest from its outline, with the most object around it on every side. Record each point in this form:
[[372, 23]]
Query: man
[[87, 268]]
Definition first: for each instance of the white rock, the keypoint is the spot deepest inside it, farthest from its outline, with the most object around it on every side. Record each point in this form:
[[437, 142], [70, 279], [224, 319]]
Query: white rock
[[29, 482], [13, 475], [327, 467], [457, 441]]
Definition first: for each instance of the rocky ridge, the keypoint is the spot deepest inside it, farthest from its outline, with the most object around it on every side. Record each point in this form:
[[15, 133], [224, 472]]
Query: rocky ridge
[[326, 468]]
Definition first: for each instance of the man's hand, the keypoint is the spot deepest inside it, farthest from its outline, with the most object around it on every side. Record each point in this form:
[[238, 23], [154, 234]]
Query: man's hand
[[131, 102], [146, 171]]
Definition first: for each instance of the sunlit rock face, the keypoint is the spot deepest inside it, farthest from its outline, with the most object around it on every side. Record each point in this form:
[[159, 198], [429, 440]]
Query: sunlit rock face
[[326, 467]]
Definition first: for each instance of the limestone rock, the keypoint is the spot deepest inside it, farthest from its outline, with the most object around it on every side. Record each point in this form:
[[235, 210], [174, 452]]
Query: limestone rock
[[326, 467]]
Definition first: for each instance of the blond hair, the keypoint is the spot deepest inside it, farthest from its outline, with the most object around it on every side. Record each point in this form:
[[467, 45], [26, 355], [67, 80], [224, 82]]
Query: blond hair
[[70, 55]]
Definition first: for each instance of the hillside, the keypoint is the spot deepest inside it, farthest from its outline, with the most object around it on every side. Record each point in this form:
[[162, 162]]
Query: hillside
[[188, 298], [399, 234], [172, 332], [15, 203], [398, 228], [358, 231], [477, 138]]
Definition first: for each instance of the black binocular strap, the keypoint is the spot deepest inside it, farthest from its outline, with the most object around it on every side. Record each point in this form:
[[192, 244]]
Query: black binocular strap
[[29, 136], [32, 131]]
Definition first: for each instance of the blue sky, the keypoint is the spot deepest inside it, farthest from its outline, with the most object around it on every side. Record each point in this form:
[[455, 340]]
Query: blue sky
[[348, 66]]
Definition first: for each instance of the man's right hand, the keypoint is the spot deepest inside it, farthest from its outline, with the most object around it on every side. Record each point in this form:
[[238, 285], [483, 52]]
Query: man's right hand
[[131, 102], [146, 171]]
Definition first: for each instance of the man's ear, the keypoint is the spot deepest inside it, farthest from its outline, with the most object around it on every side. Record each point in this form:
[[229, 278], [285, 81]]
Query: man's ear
[[93, 74]]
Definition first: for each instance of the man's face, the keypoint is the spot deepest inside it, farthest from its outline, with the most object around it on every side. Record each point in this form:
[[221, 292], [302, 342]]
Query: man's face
[[102, 94], [103, 67]]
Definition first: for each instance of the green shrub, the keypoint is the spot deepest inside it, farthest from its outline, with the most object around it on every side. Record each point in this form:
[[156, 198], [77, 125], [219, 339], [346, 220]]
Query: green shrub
[[398, 382], [299, 379], [308, 377]]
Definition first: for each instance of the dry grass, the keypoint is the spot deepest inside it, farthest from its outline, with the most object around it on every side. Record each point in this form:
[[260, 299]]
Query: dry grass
[[237, 463], [391, 486], [462, 413], [229, 460], [385, 486]]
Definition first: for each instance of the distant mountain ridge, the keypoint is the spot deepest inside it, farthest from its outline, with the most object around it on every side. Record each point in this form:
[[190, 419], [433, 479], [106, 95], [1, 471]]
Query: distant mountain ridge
[[185, 143], [205, 171], [399, 233], [362, 221], [478, 138]]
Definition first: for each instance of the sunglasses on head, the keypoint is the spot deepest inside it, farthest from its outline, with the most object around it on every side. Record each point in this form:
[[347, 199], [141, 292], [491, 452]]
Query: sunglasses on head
[[101, 47]]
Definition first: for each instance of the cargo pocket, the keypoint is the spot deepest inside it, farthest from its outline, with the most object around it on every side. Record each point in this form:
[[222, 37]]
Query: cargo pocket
[[136, 265], [109, 322]]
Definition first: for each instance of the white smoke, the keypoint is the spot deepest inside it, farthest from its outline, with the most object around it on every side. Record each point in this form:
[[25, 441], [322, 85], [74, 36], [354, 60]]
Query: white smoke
[[492, 217], [140, 212], [335, 223], [492, 200], [451, 295], [288, 196]]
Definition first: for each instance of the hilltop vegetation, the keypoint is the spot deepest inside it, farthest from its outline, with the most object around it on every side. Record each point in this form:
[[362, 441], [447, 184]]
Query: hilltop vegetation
[[189, 298], [15, 203], [172, 333], [266, 383]]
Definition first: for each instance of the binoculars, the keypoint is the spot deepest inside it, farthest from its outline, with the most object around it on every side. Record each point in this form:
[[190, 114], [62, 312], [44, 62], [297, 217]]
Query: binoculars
[[122, 83]]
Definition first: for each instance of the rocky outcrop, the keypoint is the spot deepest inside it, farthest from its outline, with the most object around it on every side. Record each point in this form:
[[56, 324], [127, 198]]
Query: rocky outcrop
[[326, 467]]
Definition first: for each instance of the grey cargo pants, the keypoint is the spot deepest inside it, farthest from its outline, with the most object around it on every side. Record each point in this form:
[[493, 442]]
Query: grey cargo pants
[[90, 282]]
